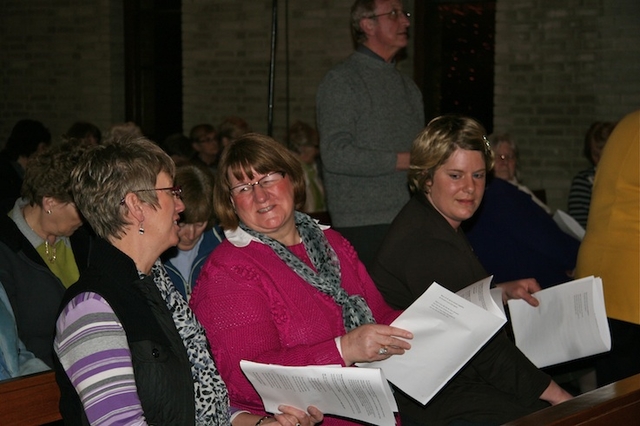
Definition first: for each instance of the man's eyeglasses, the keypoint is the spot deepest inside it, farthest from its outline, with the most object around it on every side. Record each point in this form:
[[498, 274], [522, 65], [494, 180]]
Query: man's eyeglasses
[[265, 182], [393, 15], [176, 191]]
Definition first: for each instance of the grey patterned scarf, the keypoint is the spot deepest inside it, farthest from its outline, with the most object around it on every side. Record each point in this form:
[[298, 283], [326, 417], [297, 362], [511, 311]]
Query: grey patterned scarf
[[211, 399], [327, 279]]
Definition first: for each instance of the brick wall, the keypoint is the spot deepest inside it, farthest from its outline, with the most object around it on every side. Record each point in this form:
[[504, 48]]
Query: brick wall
[[559, 67], [60, 61], [227, 51]]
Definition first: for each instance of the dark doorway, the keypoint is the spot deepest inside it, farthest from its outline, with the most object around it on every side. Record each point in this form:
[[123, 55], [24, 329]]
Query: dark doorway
[[455, 57], [153, 66]]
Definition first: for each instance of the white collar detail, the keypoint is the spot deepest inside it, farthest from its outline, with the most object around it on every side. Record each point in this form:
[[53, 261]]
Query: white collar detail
[[240, 238]]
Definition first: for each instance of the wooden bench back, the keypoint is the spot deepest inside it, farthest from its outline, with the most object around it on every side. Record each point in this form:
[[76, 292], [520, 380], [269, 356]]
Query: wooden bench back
[[29, 400], [617, 404], [33, 400]]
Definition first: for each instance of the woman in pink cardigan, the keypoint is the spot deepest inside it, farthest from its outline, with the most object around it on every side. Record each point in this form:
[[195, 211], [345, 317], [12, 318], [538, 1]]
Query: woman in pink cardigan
[[281, 288]]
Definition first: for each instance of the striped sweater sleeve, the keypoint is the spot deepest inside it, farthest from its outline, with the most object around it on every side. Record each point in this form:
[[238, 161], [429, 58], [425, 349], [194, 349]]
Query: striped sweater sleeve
[[92, 347]]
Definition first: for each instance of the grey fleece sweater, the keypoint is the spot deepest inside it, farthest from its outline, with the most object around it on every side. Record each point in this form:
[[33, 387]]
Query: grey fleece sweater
[[367, 111]]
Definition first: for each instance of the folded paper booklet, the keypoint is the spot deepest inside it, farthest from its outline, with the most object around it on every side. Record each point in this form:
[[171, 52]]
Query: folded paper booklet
[[356, 393], [448, 328], [570, 323]]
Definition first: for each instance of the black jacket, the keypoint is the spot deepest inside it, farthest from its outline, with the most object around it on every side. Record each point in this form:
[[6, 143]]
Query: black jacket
[[499, 384], [161, 366], [34, 291]]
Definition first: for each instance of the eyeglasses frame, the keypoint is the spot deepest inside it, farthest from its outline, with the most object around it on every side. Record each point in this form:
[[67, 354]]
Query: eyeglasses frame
[[176, 191], [253, 184], [394, 14]]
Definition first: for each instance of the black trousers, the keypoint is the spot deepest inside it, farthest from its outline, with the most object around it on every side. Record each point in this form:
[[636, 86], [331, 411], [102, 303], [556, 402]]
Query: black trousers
[[624, 359]]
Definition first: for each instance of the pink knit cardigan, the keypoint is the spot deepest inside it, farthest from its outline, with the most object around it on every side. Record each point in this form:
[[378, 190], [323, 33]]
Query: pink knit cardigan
[[254, 307]]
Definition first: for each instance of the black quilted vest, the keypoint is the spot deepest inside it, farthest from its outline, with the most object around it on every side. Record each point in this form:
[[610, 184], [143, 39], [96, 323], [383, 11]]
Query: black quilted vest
[[161, 367]]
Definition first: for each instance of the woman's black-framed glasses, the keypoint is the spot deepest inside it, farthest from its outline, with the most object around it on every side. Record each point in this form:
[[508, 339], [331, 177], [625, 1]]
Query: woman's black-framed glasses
[[175, 190], [267, 181]]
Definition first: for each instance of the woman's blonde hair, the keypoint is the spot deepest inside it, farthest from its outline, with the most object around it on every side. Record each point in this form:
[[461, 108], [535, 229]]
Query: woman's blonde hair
[[250, 152], [435, 144]]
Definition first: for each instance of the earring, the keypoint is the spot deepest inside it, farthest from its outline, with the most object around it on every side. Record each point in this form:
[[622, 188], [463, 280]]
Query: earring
[[48, 211], [140, 229]]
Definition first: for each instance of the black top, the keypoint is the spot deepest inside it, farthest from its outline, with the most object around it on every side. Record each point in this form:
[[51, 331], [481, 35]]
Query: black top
[[160, 363], [499, 384], [33, 290]]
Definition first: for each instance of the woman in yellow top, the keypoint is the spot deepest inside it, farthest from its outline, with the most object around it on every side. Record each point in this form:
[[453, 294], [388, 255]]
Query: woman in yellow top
[[43, 247], [611, 246]]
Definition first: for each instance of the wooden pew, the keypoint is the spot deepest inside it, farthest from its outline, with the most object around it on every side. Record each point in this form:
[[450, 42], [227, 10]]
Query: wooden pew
[[33, 400], [29, 400], [616, 404]]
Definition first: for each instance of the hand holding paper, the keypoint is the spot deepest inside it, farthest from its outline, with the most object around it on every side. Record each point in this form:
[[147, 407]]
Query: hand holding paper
[[520, 289], [363, 343], [457, 324]]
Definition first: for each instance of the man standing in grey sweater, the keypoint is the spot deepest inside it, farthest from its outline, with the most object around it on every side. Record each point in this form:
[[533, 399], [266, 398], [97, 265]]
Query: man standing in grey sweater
[[368, 113]]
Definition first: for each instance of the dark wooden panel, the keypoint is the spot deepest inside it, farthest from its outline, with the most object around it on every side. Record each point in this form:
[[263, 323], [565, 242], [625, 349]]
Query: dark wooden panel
[[30, 400], [616, 404]]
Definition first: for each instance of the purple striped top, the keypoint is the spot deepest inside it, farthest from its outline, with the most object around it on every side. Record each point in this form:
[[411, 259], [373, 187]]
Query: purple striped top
[[93, 350]]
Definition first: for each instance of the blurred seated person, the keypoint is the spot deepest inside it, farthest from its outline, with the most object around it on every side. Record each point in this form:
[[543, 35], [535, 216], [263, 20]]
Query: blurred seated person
[[611, 247], [582, 183], [86, 133], [118, 131], [449, 162], [178, 146], [27, 138], [42, 247], [230, 129], [205, 146], [128, 348], [514, 239], [303, 141], [198, 234], [505, 153], [282, 289], [511, 235], [15, 359]]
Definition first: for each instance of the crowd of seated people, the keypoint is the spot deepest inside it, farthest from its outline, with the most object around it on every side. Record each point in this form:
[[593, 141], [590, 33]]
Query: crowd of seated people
[[128, 350], [227, 240]]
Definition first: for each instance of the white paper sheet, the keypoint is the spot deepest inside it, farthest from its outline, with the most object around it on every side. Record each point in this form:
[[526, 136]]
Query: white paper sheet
[[357, 393], [570, 323], [448, 330]]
